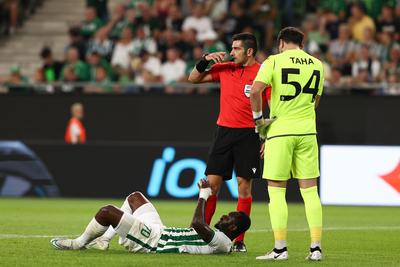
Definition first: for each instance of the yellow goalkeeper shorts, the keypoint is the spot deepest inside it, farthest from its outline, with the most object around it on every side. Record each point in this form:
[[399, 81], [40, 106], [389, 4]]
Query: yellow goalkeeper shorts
[[296, 155]]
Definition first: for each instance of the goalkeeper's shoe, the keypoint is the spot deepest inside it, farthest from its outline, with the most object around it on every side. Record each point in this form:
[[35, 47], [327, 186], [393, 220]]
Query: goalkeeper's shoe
[[99, 243], [315, 254], [239, 246], [65, 244], [275, 255]]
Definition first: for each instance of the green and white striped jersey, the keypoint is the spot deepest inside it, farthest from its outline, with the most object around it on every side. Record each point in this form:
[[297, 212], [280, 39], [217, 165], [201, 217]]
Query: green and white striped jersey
[[151, 239], [186, 240]]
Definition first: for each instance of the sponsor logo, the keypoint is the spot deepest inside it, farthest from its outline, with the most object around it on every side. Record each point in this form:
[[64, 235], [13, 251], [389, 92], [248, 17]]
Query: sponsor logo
[[393, 178], [247, 90], [371, 175], [166, 170]]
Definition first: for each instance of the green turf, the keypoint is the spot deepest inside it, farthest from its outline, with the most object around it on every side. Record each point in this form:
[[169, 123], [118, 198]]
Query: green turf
[[354, 236]]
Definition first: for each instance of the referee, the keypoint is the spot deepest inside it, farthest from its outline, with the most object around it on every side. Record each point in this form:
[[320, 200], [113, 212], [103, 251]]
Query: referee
[[236, 145], [291, 146]]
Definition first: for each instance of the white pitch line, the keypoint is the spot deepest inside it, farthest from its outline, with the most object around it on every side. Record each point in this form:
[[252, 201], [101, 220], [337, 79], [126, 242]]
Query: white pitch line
[[11, 236], [360, 228]]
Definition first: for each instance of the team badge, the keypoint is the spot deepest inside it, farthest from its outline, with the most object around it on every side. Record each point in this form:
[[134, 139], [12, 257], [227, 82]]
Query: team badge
[[247, 90]]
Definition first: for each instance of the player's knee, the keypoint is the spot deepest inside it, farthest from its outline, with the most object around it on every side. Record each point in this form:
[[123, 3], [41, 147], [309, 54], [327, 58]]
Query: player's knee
[[136, 199], [105, 212], [135, 196], [214, 189], [244, 188]]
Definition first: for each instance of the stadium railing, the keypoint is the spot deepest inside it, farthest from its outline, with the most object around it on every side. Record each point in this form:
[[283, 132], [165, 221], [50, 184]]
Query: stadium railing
[[78, 87]]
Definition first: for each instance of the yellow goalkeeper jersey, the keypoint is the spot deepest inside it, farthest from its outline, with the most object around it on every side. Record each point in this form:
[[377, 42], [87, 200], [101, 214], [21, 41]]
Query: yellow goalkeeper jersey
[[296, 79]]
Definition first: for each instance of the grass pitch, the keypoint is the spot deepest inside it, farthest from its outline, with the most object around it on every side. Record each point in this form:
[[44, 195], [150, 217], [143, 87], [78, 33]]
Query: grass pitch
[[353, 236]]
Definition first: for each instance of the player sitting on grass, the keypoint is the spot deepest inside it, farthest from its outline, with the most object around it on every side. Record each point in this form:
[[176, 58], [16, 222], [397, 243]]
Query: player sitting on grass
[[141, 230]]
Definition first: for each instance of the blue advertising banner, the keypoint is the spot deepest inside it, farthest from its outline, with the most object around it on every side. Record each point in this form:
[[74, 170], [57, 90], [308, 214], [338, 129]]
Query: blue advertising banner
[[22, 173], [160, 171]]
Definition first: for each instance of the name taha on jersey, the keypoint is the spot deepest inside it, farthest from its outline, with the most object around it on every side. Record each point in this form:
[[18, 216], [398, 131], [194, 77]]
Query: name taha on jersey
[[301, 61]]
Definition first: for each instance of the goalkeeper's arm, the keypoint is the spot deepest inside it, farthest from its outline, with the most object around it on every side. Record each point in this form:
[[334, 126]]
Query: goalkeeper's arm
[[256, 106]]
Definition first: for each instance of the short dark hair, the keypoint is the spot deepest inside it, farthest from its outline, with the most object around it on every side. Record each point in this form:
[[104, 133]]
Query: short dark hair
[[291, 35], [45, 53], [243, 223], [248, 39], [74, 31]]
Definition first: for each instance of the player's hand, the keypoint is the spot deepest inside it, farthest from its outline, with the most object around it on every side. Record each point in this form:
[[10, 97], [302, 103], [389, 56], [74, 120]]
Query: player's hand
[[203, 183], [205, 189], [217, 57], [262, 126], [262, 150]]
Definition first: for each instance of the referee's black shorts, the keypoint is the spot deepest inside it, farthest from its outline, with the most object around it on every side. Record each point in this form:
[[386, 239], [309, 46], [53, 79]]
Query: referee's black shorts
[[234, 149]]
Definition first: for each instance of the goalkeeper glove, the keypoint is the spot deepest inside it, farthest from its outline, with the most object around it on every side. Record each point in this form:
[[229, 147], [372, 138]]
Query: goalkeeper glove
[[262, 126]]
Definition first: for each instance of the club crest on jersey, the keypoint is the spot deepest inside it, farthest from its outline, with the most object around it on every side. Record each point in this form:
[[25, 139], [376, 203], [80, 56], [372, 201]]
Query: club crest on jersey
[[247, 90]]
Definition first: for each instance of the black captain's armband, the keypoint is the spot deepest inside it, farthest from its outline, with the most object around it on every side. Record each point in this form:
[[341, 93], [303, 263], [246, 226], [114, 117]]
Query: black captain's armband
[[202, 65]]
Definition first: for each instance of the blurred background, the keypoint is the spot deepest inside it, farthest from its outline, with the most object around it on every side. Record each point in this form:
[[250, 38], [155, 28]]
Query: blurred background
[[110, 76]]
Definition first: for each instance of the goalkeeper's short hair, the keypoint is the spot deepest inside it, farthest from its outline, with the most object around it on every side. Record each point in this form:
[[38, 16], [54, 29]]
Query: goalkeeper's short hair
[[291, 35]]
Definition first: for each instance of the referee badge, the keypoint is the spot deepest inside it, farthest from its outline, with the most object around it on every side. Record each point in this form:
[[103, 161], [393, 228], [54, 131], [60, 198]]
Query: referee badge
[[247, 90]]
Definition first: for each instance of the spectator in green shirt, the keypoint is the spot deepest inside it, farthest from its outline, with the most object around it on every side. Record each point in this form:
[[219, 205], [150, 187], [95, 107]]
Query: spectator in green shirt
[[102, 82], [80, 69], [211, 42], [91, 23], [338, 7], [117, 22], [101, 7], [16, 82], [121, 19], [95, 60]]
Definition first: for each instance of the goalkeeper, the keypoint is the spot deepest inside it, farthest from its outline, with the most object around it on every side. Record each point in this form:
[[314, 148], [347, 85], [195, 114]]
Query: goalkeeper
[[141, 229], [291, 148]]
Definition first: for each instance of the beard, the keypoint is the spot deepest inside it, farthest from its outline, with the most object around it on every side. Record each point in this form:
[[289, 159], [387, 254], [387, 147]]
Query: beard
[[239, 62]]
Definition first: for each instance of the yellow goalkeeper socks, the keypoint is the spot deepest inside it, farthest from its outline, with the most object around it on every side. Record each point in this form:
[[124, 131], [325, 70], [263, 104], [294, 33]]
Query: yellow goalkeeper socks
[[278, 212], [313, 209]]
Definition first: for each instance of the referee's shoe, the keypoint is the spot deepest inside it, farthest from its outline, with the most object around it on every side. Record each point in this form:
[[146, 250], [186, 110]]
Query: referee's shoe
[[239, 246]]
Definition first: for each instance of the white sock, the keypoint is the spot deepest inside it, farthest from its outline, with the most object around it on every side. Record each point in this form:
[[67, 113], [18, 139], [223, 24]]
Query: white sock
[[109, 234], [93, 230], [280, 244], [124, 225]]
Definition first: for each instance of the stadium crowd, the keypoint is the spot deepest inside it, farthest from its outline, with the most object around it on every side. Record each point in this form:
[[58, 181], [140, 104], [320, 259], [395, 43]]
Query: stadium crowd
[[157, 42], [13, 13]]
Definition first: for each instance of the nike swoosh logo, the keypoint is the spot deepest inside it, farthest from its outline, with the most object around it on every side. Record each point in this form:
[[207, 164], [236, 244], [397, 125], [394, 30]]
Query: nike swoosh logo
[[276, 256]]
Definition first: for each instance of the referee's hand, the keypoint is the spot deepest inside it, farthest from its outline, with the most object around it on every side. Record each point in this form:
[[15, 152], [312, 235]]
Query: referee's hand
[[217, 57], [262, 150]]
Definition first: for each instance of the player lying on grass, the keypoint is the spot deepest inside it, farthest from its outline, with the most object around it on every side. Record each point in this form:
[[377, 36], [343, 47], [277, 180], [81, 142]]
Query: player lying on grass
[[141, 230]]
